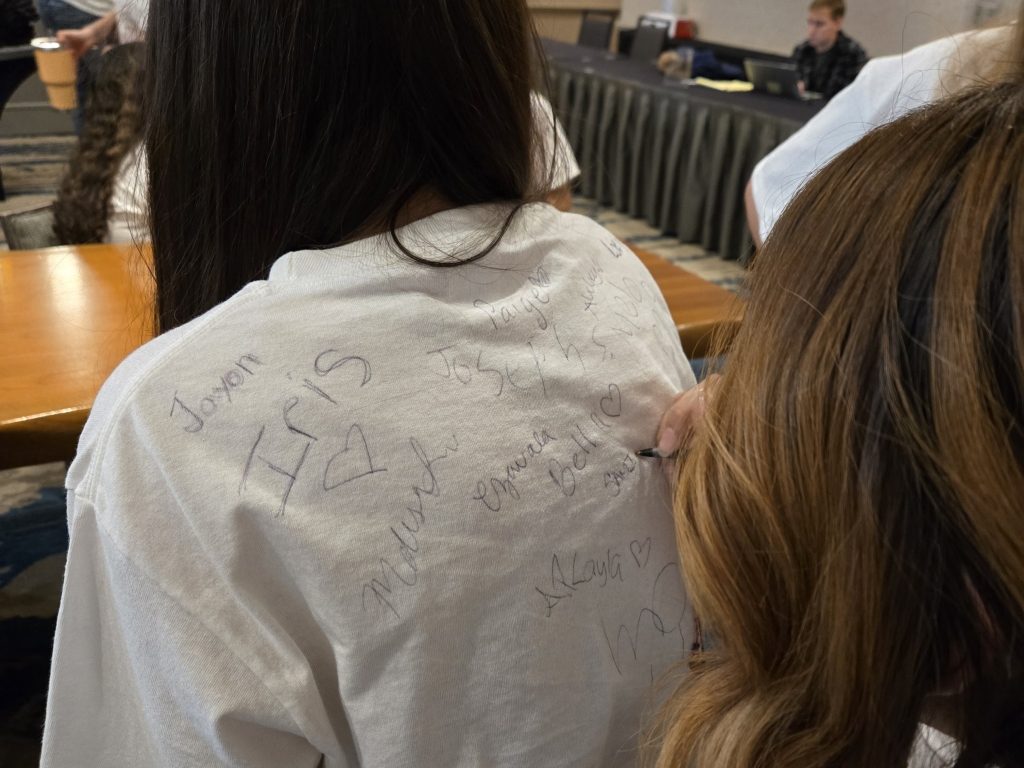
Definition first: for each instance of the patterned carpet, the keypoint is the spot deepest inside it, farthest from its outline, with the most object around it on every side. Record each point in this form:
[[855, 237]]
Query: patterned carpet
[[33, 542], [692, 258]]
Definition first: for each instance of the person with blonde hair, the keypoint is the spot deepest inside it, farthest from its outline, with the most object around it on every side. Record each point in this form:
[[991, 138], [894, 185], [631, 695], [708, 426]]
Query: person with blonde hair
[[887, 88], [850, 518]]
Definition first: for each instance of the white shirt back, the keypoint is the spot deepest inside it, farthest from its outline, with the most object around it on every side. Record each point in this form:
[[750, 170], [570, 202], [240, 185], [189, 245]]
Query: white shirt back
[[382, 512], [128, 221]]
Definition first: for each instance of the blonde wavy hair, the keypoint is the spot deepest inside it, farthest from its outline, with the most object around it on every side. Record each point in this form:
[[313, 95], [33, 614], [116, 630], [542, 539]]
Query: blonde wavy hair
[[850, 519], [984, 56]]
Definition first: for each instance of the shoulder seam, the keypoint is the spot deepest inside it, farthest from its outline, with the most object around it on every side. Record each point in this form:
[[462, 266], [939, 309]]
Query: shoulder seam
[[87, 487]]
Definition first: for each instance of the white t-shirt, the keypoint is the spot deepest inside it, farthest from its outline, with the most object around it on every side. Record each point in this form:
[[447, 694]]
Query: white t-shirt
[[555, 148], [128, 221], [94, 7], [886, 89], [933, 749], [132, 17], [383, 512], [129, 209]]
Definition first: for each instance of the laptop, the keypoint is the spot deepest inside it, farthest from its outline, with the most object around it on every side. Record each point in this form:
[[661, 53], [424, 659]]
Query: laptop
[[776, 78]]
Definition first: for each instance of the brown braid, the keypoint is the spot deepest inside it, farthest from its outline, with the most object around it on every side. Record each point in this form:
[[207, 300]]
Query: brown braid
[[112, 127]]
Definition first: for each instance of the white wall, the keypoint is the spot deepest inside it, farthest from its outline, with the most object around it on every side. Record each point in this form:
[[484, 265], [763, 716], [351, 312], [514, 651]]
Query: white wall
[[881, 26], [631, 9]]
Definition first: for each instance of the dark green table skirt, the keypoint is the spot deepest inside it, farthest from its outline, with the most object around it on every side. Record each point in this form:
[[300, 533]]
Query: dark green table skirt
[[678, 156]]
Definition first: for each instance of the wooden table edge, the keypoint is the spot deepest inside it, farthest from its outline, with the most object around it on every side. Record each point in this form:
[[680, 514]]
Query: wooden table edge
[[42, 438], [699, 339]]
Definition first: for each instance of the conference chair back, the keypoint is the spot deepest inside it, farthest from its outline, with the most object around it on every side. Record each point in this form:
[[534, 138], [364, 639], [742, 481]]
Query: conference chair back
[[28, 230], [596, 31], [648, 43]]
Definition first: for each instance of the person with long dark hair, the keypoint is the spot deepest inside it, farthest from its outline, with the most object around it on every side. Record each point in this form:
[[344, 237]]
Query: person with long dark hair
[[370, 497], [851, 515]]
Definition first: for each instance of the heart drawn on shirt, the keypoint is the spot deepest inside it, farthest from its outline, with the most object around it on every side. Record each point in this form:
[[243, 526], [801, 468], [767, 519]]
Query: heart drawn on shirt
[[611, 405], [641, 550], [351, 463]]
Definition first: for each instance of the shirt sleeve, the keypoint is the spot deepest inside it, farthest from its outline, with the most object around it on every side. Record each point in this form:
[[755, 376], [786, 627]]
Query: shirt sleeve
[[554, 157], [132, 16], [885, 89], [138, 680], [128, 221]]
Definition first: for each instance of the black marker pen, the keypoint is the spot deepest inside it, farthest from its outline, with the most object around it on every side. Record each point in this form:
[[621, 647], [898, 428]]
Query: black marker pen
[[657, 453]]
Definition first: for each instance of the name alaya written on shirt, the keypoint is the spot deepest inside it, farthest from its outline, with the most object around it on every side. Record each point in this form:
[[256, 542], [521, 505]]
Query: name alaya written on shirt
[[662, 614]]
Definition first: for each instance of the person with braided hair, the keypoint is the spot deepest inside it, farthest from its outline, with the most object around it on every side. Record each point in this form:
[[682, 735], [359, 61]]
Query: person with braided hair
[[95, 200]]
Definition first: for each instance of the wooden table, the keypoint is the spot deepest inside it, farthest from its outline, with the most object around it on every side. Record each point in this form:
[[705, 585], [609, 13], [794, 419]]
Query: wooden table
[[700, 309], [69, 315]]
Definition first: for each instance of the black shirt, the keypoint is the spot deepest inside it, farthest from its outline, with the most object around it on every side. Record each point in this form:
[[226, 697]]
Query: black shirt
[[829, 72], [16, 17]]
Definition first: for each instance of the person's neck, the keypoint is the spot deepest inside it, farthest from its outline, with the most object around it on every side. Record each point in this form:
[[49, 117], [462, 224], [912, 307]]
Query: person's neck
[[829, 47], [942, 712], [423, 204]]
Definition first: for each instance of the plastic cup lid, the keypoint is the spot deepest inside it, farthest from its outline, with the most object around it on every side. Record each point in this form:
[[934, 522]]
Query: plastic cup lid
[[46, 43]]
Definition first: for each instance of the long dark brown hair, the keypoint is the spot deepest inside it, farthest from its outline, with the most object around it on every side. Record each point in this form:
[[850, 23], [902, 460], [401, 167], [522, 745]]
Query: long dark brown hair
[[851, 518], [276, 126], [112, 126]]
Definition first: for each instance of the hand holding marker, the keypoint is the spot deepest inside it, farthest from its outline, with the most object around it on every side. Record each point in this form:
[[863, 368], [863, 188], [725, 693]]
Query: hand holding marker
[[657, 453], [681, 420]]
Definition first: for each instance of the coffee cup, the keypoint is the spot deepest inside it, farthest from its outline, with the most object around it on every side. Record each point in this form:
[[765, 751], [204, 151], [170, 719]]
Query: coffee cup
[[56, 68]]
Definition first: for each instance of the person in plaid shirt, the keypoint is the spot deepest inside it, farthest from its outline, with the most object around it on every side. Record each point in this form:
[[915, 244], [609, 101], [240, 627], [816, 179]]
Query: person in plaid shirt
[[828, 60]]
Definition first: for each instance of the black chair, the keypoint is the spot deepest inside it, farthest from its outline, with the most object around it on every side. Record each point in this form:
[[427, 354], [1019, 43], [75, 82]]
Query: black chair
[[596, 31], [648, 43], [27, 230]]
